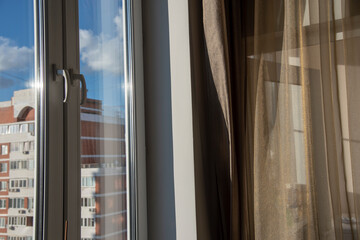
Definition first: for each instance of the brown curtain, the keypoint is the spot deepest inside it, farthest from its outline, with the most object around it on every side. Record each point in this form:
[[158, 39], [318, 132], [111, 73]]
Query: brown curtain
[[277, 116]]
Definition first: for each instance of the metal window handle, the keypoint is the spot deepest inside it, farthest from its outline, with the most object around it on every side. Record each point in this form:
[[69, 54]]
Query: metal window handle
[[81, 78], [66, 75], [70, 77]]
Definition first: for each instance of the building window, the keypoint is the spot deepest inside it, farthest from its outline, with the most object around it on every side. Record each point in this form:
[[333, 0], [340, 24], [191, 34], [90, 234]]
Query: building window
[[23, 128], [26, 146], [14, 165], [21, 164], [31, 164], [3, 167], [3, 130], [87, 222], [31, 203], [19, 238], [87, 181], [32, 145], [22, 146], [18, 183], [24, 164], [2, 222], [14, 129], [31, 183], [15, 147], [3, 186], [16, 202], [2, 203], [87, 202], [31, 128], [17, 221], [4, 150]]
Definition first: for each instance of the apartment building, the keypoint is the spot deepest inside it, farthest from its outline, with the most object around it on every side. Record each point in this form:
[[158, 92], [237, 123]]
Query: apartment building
[[103, 176], [17, 161]]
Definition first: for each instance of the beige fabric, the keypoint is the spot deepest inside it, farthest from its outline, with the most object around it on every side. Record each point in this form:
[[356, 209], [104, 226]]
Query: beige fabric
[[216, 34], [297, 146]]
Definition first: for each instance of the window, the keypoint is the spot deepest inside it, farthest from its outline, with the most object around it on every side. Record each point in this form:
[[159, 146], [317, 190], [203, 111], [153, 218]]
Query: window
[[20, 238], [14, 129], [17, 221], [15, 147], [14, 165], [16, 202], [101, 119], [88, 202], [3, 186], [2, 222], [3, 167], [32, 128], [26, 146], [87, 222], [22, 164], [87, 181], [3, 130], [4, 150], [2, 203], [31, 164], [31, 183], [18, 183], [31, 146], [17, 103], [22, 146], [24, 128], [30, 203]]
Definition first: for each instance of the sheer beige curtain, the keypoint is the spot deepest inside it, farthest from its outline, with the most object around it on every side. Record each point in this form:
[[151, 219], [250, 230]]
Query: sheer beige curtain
[[286, 75]]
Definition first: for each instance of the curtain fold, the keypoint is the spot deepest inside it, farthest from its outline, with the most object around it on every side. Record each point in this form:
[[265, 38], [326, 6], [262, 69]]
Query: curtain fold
[[284, 76]]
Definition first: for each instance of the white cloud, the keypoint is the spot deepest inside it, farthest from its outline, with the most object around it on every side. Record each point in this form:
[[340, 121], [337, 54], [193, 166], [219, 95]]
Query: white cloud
[[104, 53], [14, 57]]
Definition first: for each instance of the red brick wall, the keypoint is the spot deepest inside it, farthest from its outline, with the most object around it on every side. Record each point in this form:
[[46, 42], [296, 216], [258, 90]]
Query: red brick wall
[[7, 115], [30, 116]]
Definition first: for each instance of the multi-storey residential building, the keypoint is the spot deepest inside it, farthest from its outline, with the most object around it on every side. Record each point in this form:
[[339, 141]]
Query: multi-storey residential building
[[103, 170], [17, 143], [103, 173]]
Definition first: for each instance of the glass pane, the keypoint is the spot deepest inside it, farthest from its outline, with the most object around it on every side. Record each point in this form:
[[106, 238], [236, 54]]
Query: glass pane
[[103, 157], [17, 118]]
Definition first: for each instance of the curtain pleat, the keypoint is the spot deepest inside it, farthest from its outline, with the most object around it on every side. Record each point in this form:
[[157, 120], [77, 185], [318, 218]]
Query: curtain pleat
[[217, 43]]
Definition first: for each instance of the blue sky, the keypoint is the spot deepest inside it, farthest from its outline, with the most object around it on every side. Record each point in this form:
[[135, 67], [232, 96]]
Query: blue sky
[[16, 44], [101, 49]]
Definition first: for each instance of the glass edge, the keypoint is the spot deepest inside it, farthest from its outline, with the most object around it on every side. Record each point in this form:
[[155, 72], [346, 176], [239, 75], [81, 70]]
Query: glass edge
[[39, 188], [130, 122]]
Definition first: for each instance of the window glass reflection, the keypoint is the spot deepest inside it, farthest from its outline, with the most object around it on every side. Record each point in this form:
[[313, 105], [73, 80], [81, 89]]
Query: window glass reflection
[[103, 155], [17, 120]]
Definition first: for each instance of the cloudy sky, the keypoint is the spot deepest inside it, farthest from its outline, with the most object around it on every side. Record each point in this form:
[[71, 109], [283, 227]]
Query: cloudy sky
[[16, 46], [101, 48]]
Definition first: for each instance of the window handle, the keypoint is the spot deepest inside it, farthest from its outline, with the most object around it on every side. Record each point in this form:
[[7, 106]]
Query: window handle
[[70, 77], [81, 78], [66, 75]]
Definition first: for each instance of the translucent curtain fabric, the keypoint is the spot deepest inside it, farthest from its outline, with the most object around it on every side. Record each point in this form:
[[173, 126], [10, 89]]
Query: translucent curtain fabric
[[294, 136]]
